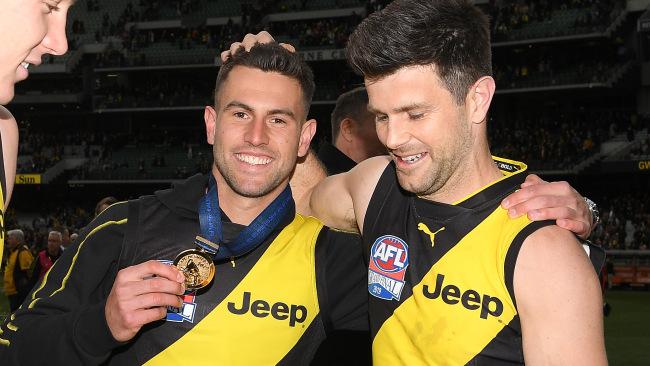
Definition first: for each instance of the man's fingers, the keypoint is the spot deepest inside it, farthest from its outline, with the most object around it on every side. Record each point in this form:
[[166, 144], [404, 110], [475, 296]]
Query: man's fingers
[[560, 189], [233, 48], [532, 179], [225, 55], [580, 228], [149, 269], [153, 300], [553, 213], [251, 40], [535, 203], [264, 37], [288, 47], [156, 285], [142, 317]]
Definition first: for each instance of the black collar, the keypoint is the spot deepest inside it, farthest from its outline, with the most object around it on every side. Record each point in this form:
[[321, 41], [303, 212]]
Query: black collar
[[334, 159]]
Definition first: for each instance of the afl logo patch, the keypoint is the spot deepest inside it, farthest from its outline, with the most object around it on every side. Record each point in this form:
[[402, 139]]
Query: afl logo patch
[[186, 312], [389, 259]]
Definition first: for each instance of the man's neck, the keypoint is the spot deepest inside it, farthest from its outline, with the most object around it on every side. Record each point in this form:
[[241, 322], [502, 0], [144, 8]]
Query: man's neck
[[348, 150], [472, 174], [243, 210]]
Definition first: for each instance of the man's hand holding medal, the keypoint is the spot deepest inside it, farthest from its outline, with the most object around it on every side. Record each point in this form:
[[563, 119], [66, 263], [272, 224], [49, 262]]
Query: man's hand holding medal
[[141, 295]]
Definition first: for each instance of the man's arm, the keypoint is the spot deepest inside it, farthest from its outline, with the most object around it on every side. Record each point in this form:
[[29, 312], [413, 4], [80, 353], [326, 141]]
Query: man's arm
[[63, 315], [559, 301], [340, 201], [9, 135], [90, 307]]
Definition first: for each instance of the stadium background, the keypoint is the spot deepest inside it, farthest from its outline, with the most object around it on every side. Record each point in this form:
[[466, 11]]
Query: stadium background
[[121, 114]]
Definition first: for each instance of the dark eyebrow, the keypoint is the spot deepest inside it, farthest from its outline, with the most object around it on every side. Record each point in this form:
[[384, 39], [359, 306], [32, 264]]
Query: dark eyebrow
[[246, 107], [237, 104], [410, 107], [285, 112], [402, 109]]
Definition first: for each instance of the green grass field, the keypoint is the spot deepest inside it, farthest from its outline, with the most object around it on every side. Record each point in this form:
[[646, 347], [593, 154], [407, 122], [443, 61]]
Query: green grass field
[[627, 328]]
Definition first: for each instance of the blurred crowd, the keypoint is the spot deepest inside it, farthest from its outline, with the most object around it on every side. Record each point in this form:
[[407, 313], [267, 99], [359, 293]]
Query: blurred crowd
[[593, 16], [625, 221], [554, 141]]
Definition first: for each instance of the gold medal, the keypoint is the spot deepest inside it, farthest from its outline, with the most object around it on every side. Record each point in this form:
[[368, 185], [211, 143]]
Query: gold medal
[[197, 266]]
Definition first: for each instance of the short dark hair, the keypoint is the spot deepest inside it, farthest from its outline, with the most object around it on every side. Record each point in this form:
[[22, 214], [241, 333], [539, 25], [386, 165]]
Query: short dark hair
[[453, 35], [351, 104], [106, 201], [271, 57]]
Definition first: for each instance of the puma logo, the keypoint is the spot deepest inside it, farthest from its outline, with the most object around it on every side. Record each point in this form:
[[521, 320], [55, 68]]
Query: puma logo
[[424, 228]]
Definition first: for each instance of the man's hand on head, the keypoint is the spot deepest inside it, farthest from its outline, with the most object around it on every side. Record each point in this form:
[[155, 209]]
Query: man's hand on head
[[249, 41], [558, 201]]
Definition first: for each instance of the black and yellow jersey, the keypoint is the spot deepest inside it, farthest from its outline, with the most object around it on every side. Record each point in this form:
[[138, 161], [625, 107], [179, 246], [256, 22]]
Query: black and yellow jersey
[[273, 306], [441, 276]]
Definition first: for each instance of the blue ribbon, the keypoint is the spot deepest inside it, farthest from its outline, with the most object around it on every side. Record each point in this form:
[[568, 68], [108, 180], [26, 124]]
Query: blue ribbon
[[249, 238]]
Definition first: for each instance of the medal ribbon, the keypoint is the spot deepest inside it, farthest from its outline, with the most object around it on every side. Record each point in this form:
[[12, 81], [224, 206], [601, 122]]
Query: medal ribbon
[[249, 238]]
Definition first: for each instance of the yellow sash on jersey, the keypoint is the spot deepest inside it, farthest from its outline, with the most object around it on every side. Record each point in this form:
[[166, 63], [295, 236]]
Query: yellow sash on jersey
[[427, 330], [282, 289]]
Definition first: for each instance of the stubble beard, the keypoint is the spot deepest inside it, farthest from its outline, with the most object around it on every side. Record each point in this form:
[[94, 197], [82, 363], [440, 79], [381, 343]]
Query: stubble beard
[[238, 183]]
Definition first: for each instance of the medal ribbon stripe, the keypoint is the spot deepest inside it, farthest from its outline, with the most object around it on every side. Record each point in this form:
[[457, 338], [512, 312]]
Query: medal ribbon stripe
[[249, 238]]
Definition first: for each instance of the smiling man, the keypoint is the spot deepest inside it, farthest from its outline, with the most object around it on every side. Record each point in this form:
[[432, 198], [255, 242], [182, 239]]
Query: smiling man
[[453, 278], [29, 29], [264, 285]]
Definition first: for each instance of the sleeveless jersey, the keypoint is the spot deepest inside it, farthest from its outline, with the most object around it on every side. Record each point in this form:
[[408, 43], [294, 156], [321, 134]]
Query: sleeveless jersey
[[440, 276]]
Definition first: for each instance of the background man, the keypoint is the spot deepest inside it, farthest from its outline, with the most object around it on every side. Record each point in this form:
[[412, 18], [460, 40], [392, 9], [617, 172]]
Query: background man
[[354, 137], [18, 269], [46, 257]]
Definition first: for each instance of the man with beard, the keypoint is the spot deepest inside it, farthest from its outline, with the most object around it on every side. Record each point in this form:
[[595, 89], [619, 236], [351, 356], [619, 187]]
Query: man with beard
[[263, 285], [455, 277]]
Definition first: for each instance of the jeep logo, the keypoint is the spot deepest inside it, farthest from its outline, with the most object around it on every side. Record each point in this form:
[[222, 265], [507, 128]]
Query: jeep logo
[[262, 309], [470, 299]]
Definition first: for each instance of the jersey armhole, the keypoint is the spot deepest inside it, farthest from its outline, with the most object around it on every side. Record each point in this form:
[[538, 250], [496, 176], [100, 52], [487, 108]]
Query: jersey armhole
[[513, 253], [386, 182], [320, 260]]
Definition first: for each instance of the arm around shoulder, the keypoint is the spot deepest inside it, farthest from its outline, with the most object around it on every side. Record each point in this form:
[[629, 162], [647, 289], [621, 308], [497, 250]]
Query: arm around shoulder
[[559, 301], [9, 135], [341, 201]]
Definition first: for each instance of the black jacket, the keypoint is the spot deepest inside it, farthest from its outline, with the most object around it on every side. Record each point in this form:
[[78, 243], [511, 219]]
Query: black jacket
[[64, 316]]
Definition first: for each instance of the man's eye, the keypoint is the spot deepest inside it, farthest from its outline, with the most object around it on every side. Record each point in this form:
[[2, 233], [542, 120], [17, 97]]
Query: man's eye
[[381, 118], [240, 114], [277, 120], [416, 115]]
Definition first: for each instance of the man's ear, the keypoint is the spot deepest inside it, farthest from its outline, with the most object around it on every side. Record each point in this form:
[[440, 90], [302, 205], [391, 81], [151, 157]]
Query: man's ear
[[346, 131], [210, 117], [479, 99], [306, 134]]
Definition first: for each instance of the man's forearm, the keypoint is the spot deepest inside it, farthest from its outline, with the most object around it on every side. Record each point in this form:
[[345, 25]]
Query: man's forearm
[[308, 173]]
